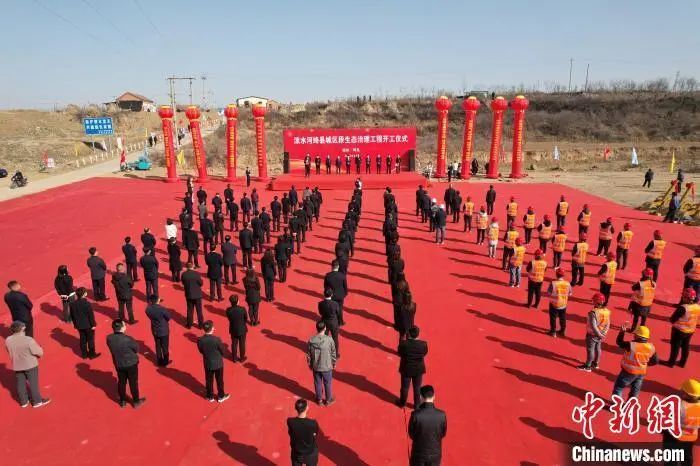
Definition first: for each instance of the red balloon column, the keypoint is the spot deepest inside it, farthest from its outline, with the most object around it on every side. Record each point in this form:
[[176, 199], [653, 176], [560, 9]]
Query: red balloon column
[[231, 114], [498, 107], [442, 104], [166, 114], [200, 157], [259, 115], [519, 105], [470, 106]]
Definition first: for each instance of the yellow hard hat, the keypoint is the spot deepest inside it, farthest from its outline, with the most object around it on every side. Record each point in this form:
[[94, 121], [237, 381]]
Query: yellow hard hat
[[642, 332], [691, 387]]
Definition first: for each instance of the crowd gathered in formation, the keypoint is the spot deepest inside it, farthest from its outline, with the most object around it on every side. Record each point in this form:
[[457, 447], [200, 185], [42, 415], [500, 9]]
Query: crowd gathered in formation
[[387, 163], [291, 217]]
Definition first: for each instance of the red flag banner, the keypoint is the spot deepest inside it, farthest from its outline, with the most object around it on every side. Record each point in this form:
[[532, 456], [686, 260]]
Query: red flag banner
[[607, 153]]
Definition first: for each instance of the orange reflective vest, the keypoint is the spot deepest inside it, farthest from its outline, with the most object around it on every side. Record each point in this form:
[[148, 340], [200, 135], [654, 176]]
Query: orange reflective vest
[[537, 273], [511, 235], [694, 272], [546, 231], [690, 421], [468, 208], [559, 243], [585, 219], [530, 221], [602, 317], [645, 295], [516, 260], [657, 252], [493, 233], [636, 359], [512, 209], [581, 253], [560, 294], [482, 222], [605, 232], [625, 239], [689, 320], [562, 208], [609, 275]]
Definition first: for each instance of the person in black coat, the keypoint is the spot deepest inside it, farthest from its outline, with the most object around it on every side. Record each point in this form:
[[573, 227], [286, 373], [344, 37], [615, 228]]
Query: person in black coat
[[490, 200], [122, 290], [63, 284], [206, 227], [258, 233], [98, 268], [268, 268], [219, 228], [302, 225], [293, 197], [150, 265], [237, 328], [189, 203], [192, 284], [251, 283], [246, 207], [125, 356], [329, 311], [228, 195], [201, 195], [147, 239], [233, 216], [190, 240], [281, 258], [212, 350], [160, 328], [174, 259], [247, 177], [412, 366], [130, 259], [20, 306], [83, 318], [338, 283], [276, 211], [317, 199], [286, 208], [214, 263], [245, 240], [265, 219], [228, 252], [217, 202], [296, 232], [343, 262], [186, 222], [427, 427]]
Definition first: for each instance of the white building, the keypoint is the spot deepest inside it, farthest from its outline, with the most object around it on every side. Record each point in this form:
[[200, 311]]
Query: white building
[[253, 100]]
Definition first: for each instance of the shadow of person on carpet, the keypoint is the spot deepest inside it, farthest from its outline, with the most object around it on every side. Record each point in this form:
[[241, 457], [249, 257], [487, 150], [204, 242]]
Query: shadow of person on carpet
[[363, 384], [9, 381], [311, 259], [214, 310], [365, 340], [316, 248], [367, 315], [490, 297], [369, 277], [546, 382], [244, 454], [481, 278], [294, 342], [478, 264], [5, 330], [369, 295], [104, 380], [505, 321], [316, 294], [315, 275], [184, 379], [336, 452], [558, 434], [297, 311], [52, 310], [67, 340], [279, 381], [534, 351]]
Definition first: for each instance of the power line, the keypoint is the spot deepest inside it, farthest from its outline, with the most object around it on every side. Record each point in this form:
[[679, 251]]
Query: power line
[[68, 21], [148, 19], [108, 20]]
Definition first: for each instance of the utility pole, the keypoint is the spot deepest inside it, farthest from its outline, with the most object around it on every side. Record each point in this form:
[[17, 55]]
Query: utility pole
[[585, 88], [571, 68], [190, 80], [204, 91], [675, 81]]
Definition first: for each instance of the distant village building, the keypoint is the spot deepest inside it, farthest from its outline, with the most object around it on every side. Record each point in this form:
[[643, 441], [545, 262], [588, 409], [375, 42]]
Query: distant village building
[[134, 102], [252, 100]]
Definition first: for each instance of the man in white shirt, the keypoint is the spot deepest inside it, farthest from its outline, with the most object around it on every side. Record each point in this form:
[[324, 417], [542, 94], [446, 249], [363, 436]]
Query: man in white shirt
[[170, 229]]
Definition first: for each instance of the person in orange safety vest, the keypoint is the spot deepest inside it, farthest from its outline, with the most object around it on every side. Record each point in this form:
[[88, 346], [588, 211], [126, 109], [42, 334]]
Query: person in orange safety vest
[[691, 269], [643, 297], [684, 320], [584, 219], [559, 292], [624, 240], [468, 213], [482, 223], [493, 237], [690, 421], [655, 251], [509, 245], [597, 327], [562, 210], [511, 212], [638, 355], [579, 253], [606, 274], [529, 224], [516, 263], [605, 236], [545, 230], [558, 246], [535, 269]]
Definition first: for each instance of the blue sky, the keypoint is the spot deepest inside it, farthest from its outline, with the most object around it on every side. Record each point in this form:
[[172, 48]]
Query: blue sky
[[92, 50]]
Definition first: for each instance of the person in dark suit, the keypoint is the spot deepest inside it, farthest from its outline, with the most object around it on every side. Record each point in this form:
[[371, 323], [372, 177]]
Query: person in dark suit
[[247, 176], [147, 239], [246, 207], [329, 311], [300, 215], [98, 268], [190, 241], [212, 350], [83, 318], [217, 202], [258, 234], [174, 259], [233, 216], [125, 356], [255, 200], [251, 283], [295, 227], [206, 227], [286, 208], [276, 211], [214, 263], [268, 268], [228, 252], [379, 164], [122, 290], [150, 265], [20, 306], [266, 220], [302, 436], [245, 240], [228, 196], [293, 197], [328, 164], [490, 200], [237, 328], [160, 328], [427, 427], [63, 284], [412, 352], [189, 203], [130, 259], [192, 283], [281, 257], [201, 195], [338, 283], [219, 228]]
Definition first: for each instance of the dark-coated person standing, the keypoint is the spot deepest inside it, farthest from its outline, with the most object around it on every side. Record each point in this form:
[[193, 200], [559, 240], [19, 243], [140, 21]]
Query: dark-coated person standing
[[338, 283], [122, 290], [206, 227], [281, 257], [490, 200], [98, 269], [245, 240], [125, 356], [427, 427], [192, 284], [130, 258], [20, 306], [212, 349], [83, 318], [268, 268], [237, 328], [229, 253], [412, 352], [329, 311], [190, 240], [302, 436], [147, 239], [174, 259], [150, 265], [215, 264], [276, 211], [160, 328], [251, 284]]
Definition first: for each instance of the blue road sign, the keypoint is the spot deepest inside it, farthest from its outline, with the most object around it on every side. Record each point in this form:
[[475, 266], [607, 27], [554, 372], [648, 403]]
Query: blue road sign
[[96, 126]]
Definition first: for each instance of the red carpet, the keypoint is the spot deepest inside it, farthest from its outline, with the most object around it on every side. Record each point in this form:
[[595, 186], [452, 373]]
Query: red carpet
[[508, 389], [409, 180]]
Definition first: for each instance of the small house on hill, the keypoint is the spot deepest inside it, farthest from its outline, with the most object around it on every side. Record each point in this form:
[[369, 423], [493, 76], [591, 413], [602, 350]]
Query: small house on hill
[[135, 102], [252, 100]]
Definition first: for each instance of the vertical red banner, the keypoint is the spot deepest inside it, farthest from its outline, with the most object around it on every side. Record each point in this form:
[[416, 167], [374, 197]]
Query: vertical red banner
[[519, 105], [200, 157], [259, 116], [231, 114], [498, 107], [166, 114], [470, 106], [442, 104]]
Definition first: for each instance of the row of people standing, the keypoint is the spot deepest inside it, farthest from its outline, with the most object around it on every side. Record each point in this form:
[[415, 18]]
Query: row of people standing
[[390, 164]]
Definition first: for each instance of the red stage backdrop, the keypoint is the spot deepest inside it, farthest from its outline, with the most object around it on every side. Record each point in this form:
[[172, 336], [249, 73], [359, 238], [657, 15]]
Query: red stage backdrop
[[341, 141]]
